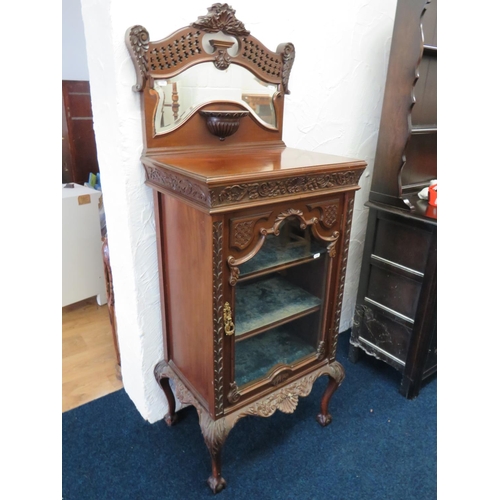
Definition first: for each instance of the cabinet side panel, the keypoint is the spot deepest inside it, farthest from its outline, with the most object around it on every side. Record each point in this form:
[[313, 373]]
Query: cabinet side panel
[[188, 251]]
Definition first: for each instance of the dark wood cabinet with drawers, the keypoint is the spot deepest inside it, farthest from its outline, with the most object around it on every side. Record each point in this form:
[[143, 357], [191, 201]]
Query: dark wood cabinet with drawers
[[396, 309], [252, 236]]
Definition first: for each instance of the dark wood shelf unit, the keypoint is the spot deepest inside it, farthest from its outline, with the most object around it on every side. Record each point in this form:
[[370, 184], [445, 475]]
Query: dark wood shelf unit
[[396, 308], [79, 151]]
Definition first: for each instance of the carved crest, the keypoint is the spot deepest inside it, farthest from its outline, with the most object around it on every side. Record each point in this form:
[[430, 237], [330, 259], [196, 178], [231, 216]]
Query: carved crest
[[221, 17]]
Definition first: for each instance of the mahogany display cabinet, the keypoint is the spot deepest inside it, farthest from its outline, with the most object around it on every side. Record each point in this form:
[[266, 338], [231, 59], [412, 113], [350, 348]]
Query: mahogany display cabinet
[[252, 236]]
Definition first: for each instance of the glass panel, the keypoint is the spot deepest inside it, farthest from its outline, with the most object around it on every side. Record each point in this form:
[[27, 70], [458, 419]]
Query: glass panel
[[279, 303], [182, 95], [280, 251]]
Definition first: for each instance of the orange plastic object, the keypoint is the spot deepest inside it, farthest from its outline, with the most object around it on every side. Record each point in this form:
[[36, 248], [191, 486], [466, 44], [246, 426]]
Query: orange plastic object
[[433, 195]]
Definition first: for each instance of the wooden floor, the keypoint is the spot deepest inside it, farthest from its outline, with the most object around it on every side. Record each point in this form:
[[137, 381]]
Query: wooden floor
[[88, 354]]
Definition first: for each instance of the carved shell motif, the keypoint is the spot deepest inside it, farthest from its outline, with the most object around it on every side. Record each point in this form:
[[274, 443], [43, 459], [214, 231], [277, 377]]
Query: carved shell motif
[[221, 17], [282, 400]]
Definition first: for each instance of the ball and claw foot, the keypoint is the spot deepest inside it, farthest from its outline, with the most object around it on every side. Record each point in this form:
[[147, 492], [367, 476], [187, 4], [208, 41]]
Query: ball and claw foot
[[171, 420], [216, 484], [324, 420]]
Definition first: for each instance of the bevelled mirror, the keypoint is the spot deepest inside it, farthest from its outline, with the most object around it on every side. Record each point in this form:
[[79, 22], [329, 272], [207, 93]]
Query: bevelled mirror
[[181, 96]]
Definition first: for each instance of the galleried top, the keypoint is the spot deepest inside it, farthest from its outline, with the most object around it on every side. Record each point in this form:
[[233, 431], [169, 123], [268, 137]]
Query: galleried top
[[213, 65]]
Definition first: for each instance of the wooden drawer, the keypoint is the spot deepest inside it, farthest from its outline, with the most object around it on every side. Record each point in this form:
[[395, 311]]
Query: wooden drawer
[[381, 334], [406, 245], [393, 291]]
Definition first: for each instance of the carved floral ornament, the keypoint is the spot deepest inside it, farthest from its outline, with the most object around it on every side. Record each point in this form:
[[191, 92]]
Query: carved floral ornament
[[247, 192]]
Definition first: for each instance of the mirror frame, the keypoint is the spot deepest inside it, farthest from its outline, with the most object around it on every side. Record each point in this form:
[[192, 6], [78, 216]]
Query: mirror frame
[[183, 49]]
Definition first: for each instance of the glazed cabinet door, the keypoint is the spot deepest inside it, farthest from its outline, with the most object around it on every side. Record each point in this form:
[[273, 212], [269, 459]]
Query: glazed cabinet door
[[281, 273]]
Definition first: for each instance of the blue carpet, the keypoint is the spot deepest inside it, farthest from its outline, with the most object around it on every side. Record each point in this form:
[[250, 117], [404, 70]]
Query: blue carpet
[[378, 446]]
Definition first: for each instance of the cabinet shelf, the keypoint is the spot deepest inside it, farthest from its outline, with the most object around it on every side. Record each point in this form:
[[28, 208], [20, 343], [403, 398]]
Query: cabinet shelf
[[258, 355], [270, 302], [275, 255]]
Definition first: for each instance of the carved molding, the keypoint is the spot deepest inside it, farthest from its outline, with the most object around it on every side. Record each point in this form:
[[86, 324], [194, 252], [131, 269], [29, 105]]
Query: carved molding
[[286, 398], [280, 376], [177, 183], [332, 239], [291, 212], [242, 229], [233, 263], [221, 17], [233, 395], [137, 41], [222, 60], [328, 212], [284, 187], [340, 297], [240, 193], [332, 247], [233, 275], [320, 352], [287, 51], [218, 319]]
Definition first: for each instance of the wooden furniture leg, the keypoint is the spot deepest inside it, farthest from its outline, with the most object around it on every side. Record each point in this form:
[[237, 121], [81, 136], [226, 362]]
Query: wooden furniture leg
[[354, 353], [111, 304], [215, 433], [163, 381], [335, 379]]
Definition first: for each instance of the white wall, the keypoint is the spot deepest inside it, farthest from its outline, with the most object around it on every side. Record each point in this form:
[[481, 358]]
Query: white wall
[[74, 52], [336, 84]]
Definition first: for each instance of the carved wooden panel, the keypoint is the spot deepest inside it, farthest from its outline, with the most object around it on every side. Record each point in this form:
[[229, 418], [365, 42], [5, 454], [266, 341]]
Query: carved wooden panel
[[343, 269], [242, 229], [178, 184], [268, 62], [218, 318], [169, 55], [283, 187], [329, 210], [184, 48]]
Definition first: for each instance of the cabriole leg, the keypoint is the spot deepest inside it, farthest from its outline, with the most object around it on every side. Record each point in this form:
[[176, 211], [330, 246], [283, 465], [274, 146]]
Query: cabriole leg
[[215, 433], [335, 379], [163, 381]]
